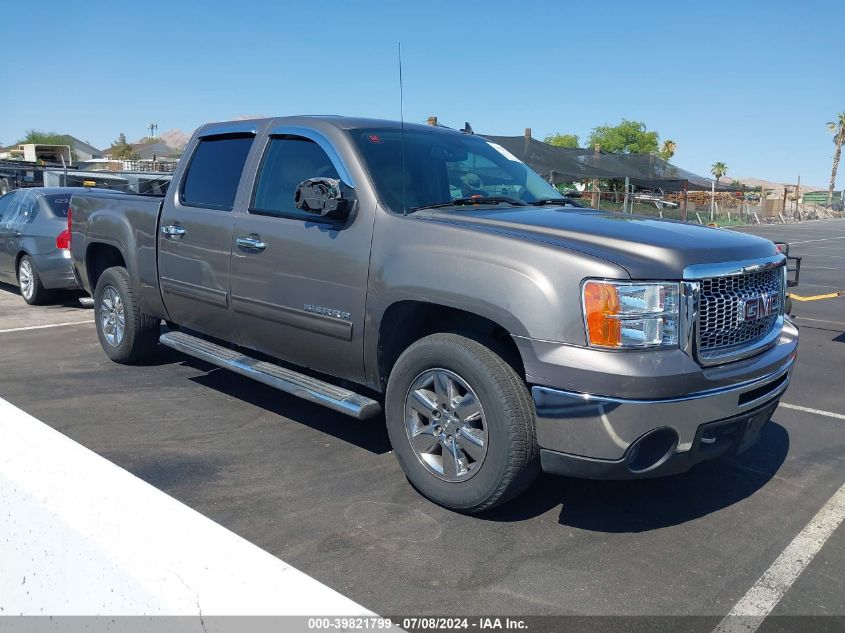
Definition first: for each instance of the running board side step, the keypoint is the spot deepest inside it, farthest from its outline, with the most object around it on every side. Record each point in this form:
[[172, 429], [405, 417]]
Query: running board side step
[[292, 382]]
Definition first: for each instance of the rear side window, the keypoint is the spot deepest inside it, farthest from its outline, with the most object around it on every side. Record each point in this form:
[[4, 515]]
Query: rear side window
[[288, 161], [59, 204], [215, 171]]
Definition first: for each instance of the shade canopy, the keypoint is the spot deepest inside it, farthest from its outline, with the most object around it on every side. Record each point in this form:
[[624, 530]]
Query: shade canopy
[[563, 164]]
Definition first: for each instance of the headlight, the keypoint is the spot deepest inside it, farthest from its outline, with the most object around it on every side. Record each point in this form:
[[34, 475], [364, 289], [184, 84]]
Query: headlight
[[624, 314]]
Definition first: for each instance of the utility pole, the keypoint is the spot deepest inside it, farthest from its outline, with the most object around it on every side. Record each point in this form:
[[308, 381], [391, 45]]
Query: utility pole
[[596, 201], [153, 128]]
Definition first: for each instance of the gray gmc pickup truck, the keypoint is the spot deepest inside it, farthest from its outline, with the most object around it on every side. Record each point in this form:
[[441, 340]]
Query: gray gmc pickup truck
[[367, 265]]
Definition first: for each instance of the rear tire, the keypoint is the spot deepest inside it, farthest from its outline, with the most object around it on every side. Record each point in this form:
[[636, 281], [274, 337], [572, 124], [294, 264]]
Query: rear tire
[[466, 458], [126, 335], [32, 290]]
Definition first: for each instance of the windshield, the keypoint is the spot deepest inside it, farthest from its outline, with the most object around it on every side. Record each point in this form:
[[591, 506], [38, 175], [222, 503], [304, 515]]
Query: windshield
[[441, 168]]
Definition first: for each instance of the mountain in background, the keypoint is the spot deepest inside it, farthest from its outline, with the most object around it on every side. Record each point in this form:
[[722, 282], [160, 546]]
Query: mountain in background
[[175, 138]]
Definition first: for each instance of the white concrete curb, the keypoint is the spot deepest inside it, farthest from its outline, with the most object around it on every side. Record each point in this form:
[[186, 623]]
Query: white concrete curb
[[81, 536]]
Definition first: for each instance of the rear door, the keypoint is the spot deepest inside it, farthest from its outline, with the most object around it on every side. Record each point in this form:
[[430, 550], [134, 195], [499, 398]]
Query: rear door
[[7, 208], [195, 232], [301, 294]]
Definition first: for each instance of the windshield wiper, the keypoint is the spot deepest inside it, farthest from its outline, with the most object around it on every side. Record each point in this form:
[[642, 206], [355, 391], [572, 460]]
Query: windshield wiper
[[460, 202], [562, 201]]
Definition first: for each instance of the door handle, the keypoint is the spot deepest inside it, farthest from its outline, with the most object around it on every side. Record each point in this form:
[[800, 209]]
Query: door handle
[[250, 243], [173, 231]]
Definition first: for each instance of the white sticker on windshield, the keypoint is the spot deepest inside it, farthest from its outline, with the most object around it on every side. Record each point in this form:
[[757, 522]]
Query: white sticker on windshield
[[504, 152]]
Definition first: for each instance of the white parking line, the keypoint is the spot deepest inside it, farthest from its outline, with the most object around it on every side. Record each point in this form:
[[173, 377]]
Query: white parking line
[[828, 414], [801, 318], [748, 614], [826, 239], [85, 537], [43, 327]]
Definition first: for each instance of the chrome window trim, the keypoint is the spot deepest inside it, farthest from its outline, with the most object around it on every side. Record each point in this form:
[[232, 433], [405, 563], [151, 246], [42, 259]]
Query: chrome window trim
[[320, 139], [234, 128]]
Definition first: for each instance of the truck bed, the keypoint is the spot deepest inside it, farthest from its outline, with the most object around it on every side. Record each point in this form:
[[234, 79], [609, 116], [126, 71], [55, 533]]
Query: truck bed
[[127, 221]]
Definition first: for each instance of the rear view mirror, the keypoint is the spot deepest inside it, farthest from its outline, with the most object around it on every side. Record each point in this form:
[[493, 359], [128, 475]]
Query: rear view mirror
[[323, 197]]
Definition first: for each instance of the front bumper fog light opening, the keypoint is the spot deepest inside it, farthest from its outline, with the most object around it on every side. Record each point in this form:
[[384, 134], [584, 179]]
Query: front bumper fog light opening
[[652, 450]]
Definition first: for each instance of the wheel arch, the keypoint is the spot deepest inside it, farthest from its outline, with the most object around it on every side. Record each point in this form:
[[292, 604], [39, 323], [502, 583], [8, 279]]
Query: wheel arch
[[21, 254], [406, 321], [100, 256]]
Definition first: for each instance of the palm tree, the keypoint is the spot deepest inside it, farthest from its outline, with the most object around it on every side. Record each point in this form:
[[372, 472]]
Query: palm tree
[[837, 128], [668, 150], [718, 170]]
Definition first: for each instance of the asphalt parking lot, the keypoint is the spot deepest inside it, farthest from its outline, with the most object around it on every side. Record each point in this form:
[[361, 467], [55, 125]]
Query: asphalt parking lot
[[324, 493]]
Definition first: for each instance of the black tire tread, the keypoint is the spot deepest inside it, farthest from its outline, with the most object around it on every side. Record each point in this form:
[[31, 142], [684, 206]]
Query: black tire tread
[[142, 331], [518, 407]]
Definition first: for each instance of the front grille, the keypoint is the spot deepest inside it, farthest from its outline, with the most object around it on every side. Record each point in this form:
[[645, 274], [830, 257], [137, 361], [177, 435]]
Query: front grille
[[720, 324]]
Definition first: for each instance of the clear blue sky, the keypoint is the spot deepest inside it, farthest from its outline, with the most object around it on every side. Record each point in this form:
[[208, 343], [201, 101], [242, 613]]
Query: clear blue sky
[[748, 83]]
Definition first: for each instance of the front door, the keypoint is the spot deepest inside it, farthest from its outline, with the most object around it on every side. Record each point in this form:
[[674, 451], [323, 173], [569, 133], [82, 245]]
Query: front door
[[299, 282], [195, 235]]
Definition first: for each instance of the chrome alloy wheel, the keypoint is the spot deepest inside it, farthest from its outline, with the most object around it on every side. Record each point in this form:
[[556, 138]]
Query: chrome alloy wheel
[[112, 318], [446, 425], [26, 279]]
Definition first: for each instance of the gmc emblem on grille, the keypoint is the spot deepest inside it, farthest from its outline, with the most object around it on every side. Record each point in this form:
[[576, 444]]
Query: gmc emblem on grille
[[754, 308]]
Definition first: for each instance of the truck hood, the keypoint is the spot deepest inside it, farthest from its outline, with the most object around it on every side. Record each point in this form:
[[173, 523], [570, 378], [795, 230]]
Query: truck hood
[[648, 248]]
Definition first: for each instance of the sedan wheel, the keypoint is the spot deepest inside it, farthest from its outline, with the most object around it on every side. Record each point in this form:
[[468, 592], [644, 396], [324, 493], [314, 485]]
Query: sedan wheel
[[32, 290], [26, 279]]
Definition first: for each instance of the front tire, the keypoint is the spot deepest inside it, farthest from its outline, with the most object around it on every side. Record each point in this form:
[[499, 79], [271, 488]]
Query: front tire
[[29, 281], [126, 335], [461, 423]]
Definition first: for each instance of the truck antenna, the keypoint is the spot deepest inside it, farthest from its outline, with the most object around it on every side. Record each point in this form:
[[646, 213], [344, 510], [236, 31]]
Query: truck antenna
[[402, 132]]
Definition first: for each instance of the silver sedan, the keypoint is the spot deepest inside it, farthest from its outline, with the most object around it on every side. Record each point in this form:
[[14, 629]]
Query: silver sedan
[[34, 242]]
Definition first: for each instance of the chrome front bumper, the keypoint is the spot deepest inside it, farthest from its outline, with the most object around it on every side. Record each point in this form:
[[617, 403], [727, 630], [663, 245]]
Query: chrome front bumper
[[604, 427]]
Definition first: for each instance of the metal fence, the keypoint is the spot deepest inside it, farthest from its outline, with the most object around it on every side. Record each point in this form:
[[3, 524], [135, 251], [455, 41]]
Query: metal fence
[[706, 207]]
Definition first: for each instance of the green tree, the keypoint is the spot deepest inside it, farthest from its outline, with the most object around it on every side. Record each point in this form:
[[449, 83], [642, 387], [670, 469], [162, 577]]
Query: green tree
[[629, 137], [39, 137], [668, 149], [122, 149], [151, 140], [718, 170], [562, 140], [838, 129]]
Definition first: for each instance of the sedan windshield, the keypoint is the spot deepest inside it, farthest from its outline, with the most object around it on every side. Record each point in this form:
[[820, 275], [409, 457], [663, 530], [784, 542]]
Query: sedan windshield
[[443, 169]]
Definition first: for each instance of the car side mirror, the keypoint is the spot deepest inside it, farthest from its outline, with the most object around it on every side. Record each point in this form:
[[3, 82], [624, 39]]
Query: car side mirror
[[324, 197]]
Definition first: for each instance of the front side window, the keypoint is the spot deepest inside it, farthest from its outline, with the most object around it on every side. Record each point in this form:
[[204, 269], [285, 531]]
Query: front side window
[[5, 204], [22, 209], [215, 171], [440, 167], [288, 161]]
